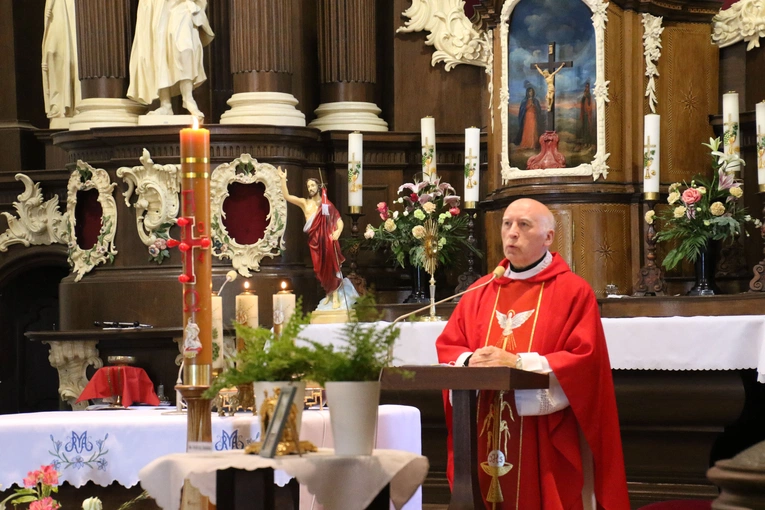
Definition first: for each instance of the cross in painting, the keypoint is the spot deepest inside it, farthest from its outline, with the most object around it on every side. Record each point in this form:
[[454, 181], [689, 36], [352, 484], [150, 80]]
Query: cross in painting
[[548, 70]]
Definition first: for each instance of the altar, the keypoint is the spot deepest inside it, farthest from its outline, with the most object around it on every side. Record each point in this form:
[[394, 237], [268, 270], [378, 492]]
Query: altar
[[113, 446]]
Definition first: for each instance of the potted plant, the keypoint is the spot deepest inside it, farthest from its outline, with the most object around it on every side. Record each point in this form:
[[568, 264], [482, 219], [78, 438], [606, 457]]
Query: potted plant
[[351, 375], [268, 361]]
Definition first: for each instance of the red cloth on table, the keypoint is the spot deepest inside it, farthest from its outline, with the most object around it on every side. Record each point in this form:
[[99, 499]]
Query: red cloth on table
[[131, 383]]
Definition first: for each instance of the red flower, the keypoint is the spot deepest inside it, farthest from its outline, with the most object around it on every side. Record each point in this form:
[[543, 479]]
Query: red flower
[[414, 197], [691, 196], [31, 479], [382, 208], [454, 211], [49, 475], [44, 504]]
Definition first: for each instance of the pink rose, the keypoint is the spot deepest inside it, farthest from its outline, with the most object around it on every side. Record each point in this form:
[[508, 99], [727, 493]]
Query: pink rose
[[691, 196], [382, 208], [31, 479], [454, 211], [49, 475]]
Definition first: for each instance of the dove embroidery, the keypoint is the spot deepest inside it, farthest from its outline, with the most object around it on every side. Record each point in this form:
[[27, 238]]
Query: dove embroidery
[[510, 321]]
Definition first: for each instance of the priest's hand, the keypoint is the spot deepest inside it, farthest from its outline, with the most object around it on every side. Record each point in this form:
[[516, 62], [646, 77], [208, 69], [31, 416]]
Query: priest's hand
[[492, 357]]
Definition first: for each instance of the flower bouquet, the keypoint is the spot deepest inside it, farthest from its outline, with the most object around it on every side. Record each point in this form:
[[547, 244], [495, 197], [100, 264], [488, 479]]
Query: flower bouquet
[[703, 210], [38, 487], [423, 227]]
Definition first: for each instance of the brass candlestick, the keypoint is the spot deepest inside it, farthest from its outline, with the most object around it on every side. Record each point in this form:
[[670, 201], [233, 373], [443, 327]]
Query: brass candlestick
[[650, 278], [354, 212]]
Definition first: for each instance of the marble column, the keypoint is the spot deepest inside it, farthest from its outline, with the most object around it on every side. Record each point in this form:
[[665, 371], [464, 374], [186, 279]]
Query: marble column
[[104, 34], [261, 64], [347, 66]]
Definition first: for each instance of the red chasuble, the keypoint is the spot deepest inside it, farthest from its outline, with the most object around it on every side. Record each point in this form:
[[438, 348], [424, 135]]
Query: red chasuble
[[534, 462], [325, 252]]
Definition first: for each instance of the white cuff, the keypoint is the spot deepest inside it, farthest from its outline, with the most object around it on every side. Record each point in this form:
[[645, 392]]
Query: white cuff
[[461, 359], [533, 362], [541, 402]]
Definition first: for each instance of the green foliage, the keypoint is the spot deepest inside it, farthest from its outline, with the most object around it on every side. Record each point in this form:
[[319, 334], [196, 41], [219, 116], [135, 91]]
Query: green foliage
[[267, 357], [367, 351]]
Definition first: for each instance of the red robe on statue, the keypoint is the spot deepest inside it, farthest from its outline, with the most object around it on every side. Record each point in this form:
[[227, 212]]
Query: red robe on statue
[[325, 252], [534, 462]]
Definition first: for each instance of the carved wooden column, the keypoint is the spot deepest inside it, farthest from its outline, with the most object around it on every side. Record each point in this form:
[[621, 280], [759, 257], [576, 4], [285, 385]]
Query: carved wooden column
[[347, 66], [261, 64], [104, 34]]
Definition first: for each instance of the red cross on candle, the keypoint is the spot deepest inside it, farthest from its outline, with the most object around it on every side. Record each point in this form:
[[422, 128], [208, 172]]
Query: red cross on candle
[[187, 244]]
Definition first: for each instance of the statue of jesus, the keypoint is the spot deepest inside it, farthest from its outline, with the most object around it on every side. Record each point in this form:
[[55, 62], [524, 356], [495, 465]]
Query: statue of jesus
[[550, 80], [323, 226]]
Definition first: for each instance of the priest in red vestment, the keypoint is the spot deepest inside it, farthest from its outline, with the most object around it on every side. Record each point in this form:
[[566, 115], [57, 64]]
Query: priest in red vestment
[[558, 448], [323, 226]]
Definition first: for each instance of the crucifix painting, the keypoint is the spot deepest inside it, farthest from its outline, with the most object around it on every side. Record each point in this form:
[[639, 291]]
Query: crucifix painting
[[551, 66]]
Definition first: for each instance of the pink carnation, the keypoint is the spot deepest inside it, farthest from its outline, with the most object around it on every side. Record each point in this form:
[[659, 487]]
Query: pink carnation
[[49, 475], [44, 504], [691, 196], [454, 211]]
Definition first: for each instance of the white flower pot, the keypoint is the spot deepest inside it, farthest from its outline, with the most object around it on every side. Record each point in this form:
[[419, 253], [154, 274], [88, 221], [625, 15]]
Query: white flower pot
[[353, 415], [265, 389]]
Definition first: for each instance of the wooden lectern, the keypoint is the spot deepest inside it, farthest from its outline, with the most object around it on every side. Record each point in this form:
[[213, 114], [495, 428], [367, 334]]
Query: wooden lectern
[[463, 381]]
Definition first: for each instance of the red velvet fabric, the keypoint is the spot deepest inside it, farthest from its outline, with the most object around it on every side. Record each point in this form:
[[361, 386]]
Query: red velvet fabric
[[246, 209], [728, 3], [87, 217], [680, 504], [131, 383]]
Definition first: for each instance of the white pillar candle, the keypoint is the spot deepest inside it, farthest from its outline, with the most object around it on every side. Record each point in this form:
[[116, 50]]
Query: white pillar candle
[[428, 139], [760, 121], [472, 160], [217, 330], [651, 154], [731, 135], [355, 169], [284, 305], [246, 311]]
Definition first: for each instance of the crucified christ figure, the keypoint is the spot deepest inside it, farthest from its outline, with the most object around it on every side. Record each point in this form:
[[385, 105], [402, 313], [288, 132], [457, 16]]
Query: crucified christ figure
[[550, 80]]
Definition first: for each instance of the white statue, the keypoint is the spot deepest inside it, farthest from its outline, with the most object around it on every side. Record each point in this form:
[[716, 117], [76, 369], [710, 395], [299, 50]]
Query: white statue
[[166, 59], [61, 84]]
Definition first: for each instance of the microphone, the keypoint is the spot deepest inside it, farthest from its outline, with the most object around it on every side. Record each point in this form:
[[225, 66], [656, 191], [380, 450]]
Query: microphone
[[498, 272]]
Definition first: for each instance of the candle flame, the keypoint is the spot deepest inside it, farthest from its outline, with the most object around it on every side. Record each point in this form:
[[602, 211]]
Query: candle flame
[[195, 125], [284, 285], [246, 285]]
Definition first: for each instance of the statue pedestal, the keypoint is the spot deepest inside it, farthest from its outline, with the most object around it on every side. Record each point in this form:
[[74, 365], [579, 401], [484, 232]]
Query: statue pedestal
[[273, 108], [332, 316], [349, 116], [165, 120], [105, 112], [59, 123]]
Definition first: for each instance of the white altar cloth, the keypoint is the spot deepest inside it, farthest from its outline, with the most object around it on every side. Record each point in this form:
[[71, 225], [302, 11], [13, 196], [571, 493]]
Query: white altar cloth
[[112, 446], [319, 472], [638, 343]]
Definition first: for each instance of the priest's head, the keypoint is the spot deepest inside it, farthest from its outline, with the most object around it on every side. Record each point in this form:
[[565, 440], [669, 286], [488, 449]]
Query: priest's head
[[528, 229]]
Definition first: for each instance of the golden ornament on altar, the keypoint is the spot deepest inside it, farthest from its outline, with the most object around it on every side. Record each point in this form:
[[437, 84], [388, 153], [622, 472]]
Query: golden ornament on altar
[[289, 443]]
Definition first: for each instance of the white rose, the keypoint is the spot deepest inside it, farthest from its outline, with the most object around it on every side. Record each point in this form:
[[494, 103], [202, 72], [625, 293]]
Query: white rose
[[395, 215], [679, 212], [673, 197], [369, 233], [736, 191], [390, 225], [92, 504], [418, 232]]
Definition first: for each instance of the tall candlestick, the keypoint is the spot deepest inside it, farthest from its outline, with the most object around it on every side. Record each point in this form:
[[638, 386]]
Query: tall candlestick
[[355, 170], [759, 116], [651, 157], [731, 138], [472, 159], [428, 138], [194, 221], [217, 331], [246, 311], [284, 307]]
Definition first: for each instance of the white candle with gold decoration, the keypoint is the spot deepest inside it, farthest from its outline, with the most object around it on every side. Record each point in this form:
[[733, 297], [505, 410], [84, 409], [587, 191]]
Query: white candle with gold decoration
[[760, 121], [246, 311], [284, 307], [731, 135], [217, 331], [651, 156], [428, 139], [355, 170], [472, 159]]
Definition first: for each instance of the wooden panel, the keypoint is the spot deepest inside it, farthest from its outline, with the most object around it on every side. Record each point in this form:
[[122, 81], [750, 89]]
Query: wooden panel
[[563, 242], [493, 226], [602, 246], [615, 109], [686, 97]]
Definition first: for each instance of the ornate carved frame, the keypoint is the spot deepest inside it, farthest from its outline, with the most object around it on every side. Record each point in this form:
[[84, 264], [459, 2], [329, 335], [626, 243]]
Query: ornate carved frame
[[246, 170], [599, 165], [85, 178], [742, 21], [158, 189]]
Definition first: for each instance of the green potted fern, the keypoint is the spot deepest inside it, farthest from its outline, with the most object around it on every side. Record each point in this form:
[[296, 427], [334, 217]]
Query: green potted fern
[[268, 361], [351, 375]]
